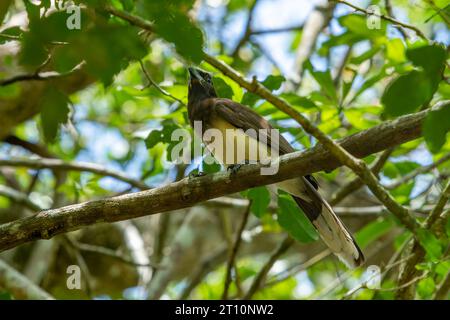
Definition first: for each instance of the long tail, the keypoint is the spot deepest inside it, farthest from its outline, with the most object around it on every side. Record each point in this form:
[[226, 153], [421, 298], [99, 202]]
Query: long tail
[[330, 228]]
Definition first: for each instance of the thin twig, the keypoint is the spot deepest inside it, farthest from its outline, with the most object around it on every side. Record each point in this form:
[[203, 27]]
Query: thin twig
[[390, 12], [153, 83], [278, 30], [439, 11], [39, 76], [443, 288], [420, 170], [385, 17], [233, 252], [47, 163], [247, 30], [286, 274], [357, 183], [111, 253], [202, 269], [439, 208], [259, 279]]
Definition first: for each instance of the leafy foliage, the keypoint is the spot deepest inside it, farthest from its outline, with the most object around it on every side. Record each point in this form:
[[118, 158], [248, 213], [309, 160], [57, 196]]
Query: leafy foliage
[[111, 113], [297, 225], [410, 91]]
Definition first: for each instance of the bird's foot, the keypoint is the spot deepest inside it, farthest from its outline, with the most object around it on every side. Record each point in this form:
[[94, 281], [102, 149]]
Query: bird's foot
[[196, 173]]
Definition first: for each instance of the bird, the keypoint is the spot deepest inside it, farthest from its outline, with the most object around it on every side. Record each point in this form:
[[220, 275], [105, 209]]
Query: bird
[[221, 114]]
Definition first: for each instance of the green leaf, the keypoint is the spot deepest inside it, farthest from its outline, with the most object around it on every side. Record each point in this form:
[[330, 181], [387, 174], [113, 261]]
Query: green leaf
[[395, 169], [32, 51], [370, 82], [431, 58], [128, 5], [210, 167], [407, 93], [426, 287], [163, 135], [430, 243], [325, 81], [300, 101], [346, 38], [4, 295], [153, 138], [435, 128], [54, 112], [13, 31], [395, 51], [365, 55], [171, 23], [357, 24], [260, 198], [249, 99], [4, 6], [293, 220], [374, 230], [222, 88], [273, 82], [442, 268], [10, 91]]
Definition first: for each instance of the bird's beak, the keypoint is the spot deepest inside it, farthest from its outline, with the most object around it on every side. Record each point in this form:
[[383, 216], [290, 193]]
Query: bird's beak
[[194, 74]]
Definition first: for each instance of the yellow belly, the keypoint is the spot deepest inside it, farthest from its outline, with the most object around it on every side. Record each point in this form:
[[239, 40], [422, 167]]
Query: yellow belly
[[230, 145]]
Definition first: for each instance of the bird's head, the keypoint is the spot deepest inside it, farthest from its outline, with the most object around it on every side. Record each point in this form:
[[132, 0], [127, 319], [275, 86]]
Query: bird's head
[[200, 85]]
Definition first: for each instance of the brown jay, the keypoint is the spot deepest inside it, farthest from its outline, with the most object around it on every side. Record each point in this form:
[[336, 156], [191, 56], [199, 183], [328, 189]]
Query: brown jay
[[223, 114]]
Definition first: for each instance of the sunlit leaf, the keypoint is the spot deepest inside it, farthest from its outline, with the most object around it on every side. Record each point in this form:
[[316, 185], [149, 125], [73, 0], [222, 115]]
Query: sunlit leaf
[[260, 198], [436, 127], [431, 244], [374, 230], [222, 88], [293, 220], [426, 287], [54, 112]]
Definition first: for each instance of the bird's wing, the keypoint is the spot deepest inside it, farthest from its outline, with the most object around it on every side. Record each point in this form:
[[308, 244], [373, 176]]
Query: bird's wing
[[244, 118], [303, 190]]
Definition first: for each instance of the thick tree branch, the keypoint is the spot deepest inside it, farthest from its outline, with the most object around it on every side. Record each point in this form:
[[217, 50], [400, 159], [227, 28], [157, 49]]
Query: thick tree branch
[[188, 192], [358, 166]]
